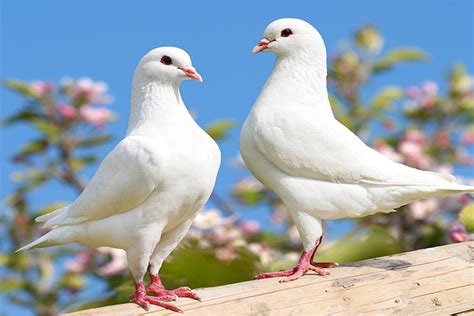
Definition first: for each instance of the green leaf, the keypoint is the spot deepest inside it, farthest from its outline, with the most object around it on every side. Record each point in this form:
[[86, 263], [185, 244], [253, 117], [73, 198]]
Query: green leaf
[[20, 87], [458, 72], [467, 217], [398, 55], [27, 114], [384, 99], [4, 259], [72, 280], [30, 174], [373, 241], [219, 129], [33, 147], [78, 163], [250, 197], [46, 127], [207, 269], [369, 38], [34, 179], [336, 106], [94, 141], [19, 260], [11, 284]]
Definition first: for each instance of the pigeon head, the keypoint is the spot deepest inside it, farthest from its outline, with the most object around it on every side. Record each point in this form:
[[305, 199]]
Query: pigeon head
[[167, 64], [287, 36]]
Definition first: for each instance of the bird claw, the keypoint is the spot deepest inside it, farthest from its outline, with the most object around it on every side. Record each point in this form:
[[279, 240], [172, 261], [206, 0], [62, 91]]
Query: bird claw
[[298, 271], [144, 301], [184, 291]]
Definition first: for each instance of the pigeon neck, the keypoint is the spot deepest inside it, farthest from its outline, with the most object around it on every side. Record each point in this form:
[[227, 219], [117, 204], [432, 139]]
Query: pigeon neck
[[154, 103], [297, 77]]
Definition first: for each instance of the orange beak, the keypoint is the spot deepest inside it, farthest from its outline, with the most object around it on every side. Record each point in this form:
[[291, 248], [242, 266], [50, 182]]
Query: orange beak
[[262, 45], [191, 72]]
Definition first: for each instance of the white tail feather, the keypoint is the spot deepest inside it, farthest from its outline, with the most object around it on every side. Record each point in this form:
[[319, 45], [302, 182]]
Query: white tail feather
[[63, 219], [58, 236], [48, 216], [457, 189], [38, 243]]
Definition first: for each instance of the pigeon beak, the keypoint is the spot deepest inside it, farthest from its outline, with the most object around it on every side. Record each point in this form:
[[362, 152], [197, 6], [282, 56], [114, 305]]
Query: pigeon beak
[[262, 45], [191, 72]]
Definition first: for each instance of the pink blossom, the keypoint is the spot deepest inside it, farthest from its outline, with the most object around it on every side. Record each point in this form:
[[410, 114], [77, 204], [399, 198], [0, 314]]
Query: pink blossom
[[467, 138], [428, 102], [117, 264], [96, 116], [416, 136], [263, 252], [249, 184], [23, 219], [67, 111], [457, 233], [87, 90], [444, 168], [208, 219], [464, 158], [223, 235], [443, 139], [294, 234], [279, 215], [41, 88], [422, 208], [410, 149], [226, 253], [389, 125], [413, 92], [80, 262], [250, 227], [414, 155], [430, 88], [388, 152]]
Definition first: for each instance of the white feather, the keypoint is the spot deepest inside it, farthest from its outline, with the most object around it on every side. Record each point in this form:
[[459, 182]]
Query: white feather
[[293, 144], [152, 183]]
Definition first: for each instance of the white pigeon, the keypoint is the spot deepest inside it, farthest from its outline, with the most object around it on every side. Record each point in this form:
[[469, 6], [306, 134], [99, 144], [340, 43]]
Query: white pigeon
[[150, 187], [293, 144]]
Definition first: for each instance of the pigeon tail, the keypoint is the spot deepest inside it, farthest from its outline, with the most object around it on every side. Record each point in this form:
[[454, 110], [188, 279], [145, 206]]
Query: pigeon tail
[[456, 189], [62, 218], [50, 215], [38, 243], [58, 236]]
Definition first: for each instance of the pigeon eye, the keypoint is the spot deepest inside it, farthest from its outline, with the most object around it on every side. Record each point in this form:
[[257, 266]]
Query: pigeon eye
[[286, 33], [166, 60]]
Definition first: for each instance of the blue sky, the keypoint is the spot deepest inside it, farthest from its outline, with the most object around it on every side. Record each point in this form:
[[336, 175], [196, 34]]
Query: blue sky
[[104, 40]]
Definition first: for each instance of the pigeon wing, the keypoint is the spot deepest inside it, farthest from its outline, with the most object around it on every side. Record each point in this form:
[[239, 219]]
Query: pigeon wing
[[302, 144], [126, 177]]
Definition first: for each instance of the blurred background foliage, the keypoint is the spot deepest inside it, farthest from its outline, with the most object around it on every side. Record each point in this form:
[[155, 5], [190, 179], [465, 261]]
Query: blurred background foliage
[[429, 126]]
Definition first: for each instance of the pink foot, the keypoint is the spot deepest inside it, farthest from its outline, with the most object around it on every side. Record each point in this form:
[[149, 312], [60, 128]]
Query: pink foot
[[157, 288], [144, 300], [304, 264]]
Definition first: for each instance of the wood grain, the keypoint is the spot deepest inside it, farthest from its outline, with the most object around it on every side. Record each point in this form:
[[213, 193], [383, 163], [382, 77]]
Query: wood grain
[[434, 281]]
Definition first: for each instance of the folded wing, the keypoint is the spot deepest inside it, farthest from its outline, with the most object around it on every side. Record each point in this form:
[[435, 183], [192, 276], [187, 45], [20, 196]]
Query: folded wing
[[126, 177], [303, 145]]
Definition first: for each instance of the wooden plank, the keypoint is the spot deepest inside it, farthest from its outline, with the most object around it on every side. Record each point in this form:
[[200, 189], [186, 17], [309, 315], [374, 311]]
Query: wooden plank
[[430, 281]]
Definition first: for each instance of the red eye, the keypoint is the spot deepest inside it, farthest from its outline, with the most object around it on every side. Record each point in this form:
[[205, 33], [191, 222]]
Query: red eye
[[286, 33], [166, 60]]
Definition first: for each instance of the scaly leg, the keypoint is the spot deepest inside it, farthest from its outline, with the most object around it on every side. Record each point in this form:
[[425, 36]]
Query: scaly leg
[[157, 288], [141, 298], [304, 264]]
